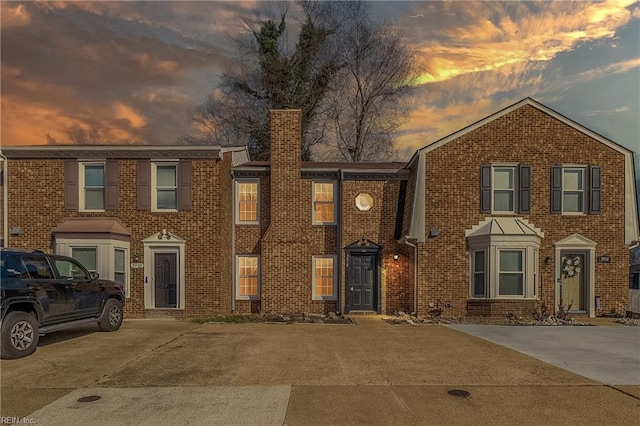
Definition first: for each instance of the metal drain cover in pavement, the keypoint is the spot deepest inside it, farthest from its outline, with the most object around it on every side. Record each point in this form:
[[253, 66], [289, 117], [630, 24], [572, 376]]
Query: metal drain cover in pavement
[[460, 393], [89, 398]]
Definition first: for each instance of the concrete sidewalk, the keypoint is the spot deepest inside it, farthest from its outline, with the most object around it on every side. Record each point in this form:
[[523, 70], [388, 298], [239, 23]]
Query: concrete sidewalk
[[174, 372]]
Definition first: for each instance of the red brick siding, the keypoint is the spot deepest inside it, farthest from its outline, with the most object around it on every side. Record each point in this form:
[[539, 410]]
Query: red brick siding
[[36, 194], [378, 225], [525, 136]]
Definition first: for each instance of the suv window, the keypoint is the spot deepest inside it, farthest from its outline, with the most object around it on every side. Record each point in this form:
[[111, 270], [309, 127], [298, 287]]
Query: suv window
[[12, 267], [37, 267], [70, 269]]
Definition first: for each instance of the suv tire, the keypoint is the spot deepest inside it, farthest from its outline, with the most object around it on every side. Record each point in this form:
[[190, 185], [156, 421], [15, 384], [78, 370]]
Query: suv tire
[[111, 319], [19, 335]]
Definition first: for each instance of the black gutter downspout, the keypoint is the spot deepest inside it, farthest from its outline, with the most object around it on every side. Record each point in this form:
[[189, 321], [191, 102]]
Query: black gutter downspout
[[233, 241]]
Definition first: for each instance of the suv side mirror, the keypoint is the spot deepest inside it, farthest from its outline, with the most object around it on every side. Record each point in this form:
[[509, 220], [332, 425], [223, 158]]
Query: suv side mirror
[[94, 275]]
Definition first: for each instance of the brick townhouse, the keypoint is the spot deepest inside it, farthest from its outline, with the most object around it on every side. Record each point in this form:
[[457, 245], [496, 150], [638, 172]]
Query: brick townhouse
[[521, 207]]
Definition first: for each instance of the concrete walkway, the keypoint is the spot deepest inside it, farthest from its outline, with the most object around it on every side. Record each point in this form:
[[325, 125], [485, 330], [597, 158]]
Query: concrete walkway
[[175, 372]]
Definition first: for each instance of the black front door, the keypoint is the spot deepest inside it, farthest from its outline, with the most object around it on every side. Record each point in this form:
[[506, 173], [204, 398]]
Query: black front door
[[166, 280], [362, 281]]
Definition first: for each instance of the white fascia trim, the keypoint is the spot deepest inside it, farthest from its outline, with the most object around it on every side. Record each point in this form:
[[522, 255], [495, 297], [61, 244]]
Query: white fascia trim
[[418, 213], [631, 231]]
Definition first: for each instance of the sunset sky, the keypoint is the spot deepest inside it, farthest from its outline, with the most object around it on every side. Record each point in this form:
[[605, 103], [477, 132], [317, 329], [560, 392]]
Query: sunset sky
[[138, 68]]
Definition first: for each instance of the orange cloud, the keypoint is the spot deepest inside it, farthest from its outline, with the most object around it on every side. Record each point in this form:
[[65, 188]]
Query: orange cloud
[[149, 63], [124, 112], [485, 46], [13, 16]]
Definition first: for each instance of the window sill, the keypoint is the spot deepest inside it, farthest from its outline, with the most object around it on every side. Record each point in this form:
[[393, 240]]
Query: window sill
[[500, 298], [239, 298], [247, 223], [163, 309]]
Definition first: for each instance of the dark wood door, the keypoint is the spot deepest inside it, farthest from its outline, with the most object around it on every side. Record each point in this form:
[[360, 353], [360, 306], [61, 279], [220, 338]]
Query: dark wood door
[[362, 282], [166, 280]]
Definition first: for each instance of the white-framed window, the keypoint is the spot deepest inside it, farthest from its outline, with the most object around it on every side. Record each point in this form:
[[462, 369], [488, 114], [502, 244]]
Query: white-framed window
[[92, 186], [247, 209], [503, 189], [573, 190], [503, 258], [247, 277], [120, 266], [87, 256], [324, 277], [511, 273], [164, 183], [324, 211], [108, 257], [479, 267]]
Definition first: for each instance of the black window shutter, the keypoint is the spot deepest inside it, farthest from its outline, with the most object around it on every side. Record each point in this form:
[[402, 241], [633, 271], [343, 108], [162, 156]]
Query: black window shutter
[[184, 177], [71, 185], [524, 188], [485, 189], [111, 187], [595, 186], [144, 185], [556, 190]]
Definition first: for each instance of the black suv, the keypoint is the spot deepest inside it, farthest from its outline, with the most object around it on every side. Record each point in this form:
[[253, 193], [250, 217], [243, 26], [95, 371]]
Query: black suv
[[41, 293]]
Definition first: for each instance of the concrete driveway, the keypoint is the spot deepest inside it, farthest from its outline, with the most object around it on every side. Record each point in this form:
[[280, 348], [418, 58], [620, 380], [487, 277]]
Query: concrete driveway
[[608, 354], [175, 372]]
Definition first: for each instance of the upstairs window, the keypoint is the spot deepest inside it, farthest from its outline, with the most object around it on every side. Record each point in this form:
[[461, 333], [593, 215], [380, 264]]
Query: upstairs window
[[166, 186], [92, 186], [505, 189], [323, 203], [247, 201], [575, 190]]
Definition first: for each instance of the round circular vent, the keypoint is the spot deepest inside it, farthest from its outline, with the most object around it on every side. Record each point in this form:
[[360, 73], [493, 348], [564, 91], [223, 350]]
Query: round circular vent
[[364, 202]]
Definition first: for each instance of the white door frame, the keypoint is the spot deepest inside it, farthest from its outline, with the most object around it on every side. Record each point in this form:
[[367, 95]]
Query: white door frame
[[578, 243]]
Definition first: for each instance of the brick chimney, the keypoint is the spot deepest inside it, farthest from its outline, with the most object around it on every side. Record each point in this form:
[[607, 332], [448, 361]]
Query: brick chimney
[[286, 258], [286, 138]]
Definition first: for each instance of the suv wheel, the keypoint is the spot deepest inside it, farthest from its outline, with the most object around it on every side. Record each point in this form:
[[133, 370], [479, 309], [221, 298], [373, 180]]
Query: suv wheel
[[111, 316], [19, 335]]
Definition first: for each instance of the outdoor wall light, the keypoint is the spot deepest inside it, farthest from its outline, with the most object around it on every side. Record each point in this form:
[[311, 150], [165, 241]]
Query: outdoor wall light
[[16, 230], [395, 256], [547, 260]]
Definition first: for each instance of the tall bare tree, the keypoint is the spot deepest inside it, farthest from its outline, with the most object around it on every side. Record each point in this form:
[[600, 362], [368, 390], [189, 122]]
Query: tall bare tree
[[346, 73], [368, 104], [270, 75]]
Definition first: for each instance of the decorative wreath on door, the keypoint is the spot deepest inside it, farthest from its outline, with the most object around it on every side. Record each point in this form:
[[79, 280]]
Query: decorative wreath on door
[[571, 266]]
